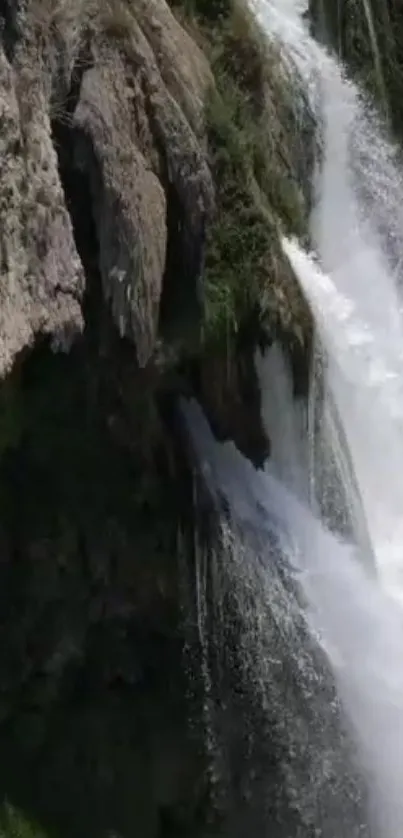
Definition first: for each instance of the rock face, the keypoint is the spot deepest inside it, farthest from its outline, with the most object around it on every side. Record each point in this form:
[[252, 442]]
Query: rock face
[[105, 193], [41, 274], [141, 153], [117, 185], [131, 85]]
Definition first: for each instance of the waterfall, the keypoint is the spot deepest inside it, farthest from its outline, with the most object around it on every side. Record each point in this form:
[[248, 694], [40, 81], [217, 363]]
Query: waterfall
[[367, 385], [353, 289], [320, 640], [299, 540], [301, 756], [357, 231]]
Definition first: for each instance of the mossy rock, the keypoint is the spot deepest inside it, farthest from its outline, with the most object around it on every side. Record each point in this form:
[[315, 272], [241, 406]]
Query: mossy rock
[[252, 121], [260, 148]]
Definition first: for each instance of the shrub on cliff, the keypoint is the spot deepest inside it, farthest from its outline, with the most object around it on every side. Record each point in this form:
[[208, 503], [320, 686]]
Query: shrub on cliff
[[252, 127]]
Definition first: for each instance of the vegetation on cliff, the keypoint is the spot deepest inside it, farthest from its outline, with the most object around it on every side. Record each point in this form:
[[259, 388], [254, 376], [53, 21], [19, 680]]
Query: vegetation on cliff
[[144, 159], [255, 135]]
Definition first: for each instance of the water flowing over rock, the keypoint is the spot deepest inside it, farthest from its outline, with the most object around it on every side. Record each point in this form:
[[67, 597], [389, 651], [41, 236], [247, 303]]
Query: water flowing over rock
[[298, 770], [200, 638], [107, 185]]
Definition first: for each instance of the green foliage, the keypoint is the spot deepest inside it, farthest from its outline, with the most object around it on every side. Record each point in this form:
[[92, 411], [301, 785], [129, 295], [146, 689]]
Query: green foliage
[[255, 148], [14, 824], [251, 129]]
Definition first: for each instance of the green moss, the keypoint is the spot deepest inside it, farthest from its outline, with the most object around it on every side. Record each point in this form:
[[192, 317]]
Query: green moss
[[257, 190], [252, 125]]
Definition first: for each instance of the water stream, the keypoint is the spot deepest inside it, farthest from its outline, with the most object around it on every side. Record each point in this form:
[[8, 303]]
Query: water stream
[[307, 533]]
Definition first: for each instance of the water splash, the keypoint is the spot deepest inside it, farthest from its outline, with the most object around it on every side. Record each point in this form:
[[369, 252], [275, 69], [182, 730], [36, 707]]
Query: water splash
[[357, 229], [353, 135], [290, 570], [358, 624], [303, 728], [297, 585], [354, 294], [365, 378]]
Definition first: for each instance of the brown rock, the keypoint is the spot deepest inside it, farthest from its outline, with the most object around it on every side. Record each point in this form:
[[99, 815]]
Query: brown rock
[[139, 147], [183, 67]]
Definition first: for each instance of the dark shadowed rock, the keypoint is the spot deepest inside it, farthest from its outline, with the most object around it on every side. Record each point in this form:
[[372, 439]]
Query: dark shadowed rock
[[137, 144]]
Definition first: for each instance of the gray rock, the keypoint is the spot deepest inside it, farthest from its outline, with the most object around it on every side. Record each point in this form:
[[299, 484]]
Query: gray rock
[[41, 277]]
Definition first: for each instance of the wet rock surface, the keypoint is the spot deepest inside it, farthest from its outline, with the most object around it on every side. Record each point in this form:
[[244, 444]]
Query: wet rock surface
[[108, 191]]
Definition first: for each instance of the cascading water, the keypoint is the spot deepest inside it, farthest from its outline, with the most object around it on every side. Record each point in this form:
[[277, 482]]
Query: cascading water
[[358, 625], [303, 535], [357, 231], [312, 785]]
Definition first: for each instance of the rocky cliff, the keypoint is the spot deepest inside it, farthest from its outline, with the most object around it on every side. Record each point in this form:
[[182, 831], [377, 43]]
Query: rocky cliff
[[149, 158]]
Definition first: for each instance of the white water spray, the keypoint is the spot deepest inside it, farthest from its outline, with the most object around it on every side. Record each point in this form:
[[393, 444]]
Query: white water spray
[[365, 379], [357, 305], [354, 135], [354, 295], [357, 231], [359, 628], [357, 623]]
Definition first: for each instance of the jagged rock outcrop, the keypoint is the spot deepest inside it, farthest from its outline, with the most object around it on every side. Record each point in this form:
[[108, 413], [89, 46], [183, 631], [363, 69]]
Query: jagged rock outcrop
[[103, 176], [131, 85], [42, 277], [140, 169], [141, 150]]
